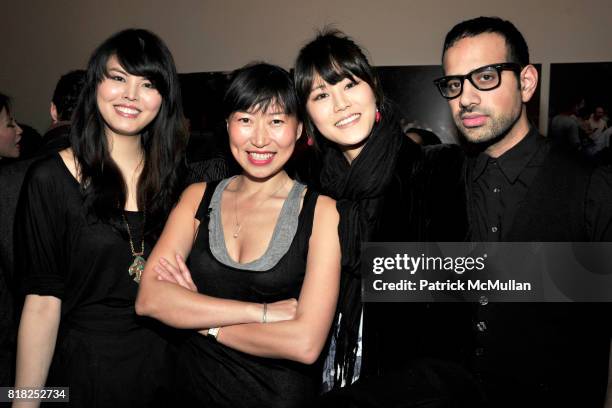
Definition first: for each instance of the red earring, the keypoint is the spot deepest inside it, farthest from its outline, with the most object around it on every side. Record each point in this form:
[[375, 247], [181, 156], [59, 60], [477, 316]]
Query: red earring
[[377, 117]]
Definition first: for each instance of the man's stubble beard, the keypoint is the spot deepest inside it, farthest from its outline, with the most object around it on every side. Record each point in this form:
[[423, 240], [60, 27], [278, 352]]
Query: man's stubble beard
[[489, 134]]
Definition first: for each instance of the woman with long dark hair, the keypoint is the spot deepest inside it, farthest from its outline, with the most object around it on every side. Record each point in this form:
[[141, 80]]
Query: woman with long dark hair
[[387, 189], [87, 222], [256, 242]]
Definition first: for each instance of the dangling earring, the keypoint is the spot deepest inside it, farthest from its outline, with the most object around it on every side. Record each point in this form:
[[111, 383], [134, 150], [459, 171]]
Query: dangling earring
[[378, 116], [309, 141]]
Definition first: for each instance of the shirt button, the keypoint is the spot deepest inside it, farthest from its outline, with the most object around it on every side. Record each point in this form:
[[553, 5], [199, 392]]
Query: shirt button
[[479, 351], [483, 300], [481, 327], [494, 229], [496, 190]]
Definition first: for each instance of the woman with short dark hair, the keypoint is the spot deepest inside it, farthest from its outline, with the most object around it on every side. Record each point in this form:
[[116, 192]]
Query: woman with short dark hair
[[256, 242]]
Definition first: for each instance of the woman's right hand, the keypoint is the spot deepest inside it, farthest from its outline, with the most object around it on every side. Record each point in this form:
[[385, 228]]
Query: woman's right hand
[[180, 276], [281, 311]]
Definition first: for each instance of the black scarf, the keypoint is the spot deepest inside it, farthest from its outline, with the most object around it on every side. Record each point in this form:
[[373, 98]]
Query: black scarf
[[358, 189]]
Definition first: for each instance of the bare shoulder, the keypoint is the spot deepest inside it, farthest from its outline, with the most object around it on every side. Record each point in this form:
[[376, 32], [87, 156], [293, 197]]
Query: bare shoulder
[[195, 189], [324, 201], [192, 196], [325, 210]]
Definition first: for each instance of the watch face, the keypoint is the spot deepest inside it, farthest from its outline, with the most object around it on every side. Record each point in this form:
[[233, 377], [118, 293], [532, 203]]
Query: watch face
[[213, 332]]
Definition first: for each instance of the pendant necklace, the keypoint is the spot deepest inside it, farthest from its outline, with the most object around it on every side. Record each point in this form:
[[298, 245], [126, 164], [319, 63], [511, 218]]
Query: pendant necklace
[[237, 224], [138, 265]]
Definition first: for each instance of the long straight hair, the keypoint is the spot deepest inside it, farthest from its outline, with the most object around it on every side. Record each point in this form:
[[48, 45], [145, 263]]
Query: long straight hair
[[140, 53]]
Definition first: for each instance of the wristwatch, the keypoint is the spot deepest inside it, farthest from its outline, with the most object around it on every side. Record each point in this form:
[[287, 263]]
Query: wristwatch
[[213, 332]]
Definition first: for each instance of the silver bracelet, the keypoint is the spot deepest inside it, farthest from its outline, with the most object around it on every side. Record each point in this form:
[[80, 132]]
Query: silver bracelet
[[264, 318]]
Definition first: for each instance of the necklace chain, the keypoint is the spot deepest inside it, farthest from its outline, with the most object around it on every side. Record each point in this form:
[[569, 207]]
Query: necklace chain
[[238, 225], [138, 264], [142, 242]]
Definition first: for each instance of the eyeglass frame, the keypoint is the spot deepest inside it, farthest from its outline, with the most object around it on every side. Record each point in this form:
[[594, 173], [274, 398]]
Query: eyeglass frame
[[504, 66]]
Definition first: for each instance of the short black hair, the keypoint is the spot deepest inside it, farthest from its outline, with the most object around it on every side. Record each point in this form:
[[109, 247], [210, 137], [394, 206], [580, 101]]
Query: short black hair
[[67, 93], [5, 103], [428, 137], [518, 51], [259, 86]]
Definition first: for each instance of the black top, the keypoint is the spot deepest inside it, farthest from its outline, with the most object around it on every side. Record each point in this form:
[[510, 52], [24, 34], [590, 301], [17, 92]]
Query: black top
[[11, 179], [546, 353], [213, 375], [394, 190], [12, 174], [105, 353], [500, 185], [424, 201], [498, 192]]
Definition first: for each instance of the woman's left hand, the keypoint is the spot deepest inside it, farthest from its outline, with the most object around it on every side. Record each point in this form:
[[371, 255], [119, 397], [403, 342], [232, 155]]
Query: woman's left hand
[[170, 273]]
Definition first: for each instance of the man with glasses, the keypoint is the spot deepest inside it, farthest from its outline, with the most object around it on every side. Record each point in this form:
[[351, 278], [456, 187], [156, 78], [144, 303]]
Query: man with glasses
[[520, 189]]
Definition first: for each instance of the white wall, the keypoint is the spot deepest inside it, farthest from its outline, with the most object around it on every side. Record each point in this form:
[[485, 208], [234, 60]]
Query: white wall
[[41, 39]]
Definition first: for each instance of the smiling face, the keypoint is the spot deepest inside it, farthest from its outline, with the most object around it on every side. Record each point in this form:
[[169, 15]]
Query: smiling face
[[127, 103], [483, 116], [344, 113], [10, 136], [262, 141]]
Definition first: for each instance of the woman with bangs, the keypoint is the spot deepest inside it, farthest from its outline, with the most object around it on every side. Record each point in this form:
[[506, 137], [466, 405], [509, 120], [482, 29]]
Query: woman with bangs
[[387, 189], [89, 217], [256, 242]]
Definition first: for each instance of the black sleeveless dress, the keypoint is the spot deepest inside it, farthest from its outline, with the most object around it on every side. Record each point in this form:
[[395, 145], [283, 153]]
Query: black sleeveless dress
[[210, 374]]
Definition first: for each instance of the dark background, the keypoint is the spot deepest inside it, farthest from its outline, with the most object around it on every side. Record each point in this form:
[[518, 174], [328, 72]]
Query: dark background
[[591, 81], [411, 89]]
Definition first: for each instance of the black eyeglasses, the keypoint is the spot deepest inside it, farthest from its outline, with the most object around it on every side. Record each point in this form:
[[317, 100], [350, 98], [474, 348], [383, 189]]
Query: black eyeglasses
[[484, 79]]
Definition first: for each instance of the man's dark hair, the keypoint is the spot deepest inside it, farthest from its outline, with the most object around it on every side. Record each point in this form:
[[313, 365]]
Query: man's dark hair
[[67, 93], [428, 137], [518, 52]]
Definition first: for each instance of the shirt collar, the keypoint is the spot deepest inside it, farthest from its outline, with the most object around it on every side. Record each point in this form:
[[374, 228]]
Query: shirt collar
[[514, 161]]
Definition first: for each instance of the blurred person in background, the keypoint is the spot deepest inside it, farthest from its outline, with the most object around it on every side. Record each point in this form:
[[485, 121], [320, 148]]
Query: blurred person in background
[[10, 131], [65, 97]]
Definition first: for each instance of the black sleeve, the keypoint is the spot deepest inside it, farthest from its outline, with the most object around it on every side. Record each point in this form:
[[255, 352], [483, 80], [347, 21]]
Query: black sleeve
[[40, 229]]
